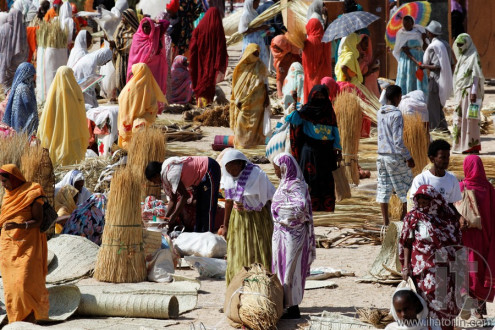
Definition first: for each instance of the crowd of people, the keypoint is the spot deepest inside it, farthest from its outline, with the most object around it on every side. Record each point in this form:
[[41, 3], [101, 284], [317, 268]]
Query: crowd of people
[[178, 56]]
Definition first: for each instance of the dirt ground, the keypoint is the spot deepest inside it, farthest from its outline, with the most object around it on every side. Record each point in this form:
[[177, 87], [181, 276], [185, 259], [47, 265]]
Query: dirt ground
[[345, 298]]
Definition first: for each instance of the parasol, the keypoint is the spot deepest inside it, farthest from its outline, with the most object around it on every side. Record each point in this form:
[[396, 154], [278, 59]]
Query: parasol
[[347, 24], [420, 11]]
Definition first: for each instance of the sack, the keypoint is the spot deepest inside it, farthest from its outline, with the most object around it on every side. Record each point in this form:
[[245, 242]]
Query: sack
[[49, 215], [208, 267], [342, 187], [468, 208], [161, 266], [206, 245]]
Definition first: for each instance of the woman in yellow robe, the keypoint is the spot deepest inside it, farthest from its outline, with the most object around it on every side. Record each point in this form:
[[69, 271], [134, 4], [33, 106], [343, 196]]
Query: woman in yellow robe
[[347, 67], [23, 248], [63, 128], [65, 204], [138, 103], [249, 99]]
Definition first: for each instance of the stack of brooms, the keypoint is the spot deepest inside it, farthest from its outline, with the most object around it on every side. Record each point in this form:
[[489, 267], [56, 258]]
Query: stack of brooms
[[121, 255], [36, 166], [349, 120], [416, 139], [147, 145], [11, 150]]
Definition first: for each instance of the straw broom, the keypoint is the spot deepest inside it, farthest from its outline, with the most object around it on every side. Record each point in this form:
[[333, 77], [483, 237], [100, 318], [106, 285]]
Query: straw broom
[[11, 150], [121, 256], [36, 166], [51, 35], [147, 145], [395, 208], [416, 140], [349, 119]]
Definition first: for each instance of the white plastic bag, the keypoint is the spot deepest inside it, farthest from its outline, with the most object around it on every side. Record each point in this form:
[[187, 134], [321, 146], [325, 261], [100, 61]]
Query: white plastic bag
[[161, 267], [208, 267], [266, 121], [206, 245]]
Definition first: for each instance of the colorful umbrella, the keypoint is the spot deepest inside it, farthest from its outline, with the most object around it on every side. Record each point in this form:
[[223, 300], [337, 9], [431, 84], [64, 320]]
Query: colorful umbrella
[[420, 11]]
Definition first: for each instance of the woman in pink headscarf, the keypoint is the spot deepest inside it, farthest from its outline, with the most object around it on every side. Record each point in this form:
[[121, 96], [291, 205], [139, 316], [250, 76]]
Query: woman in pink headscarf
[[481, 243], [336, 87], [148, 46], [181, 86], [284, 54]]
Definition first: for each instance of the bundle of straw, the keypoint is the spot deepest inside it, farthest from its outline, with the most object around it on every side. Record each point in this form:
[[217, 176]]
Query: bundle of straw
[[51, 35], [231, 22], [11, 150], [349, 119], [417, 140], [372, 104], [342, 188], [36, 166], [121, 256], [258, 309], [216, 117], [147, 145], [378, 318], [296, 23], [395, 208]]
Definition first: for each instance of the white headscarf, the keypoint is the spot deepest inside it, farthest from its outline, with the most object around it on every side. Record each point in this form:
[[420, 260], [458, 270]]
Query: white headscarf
[[27, 8], [258, 188], [248, 14], [445, 81], [88, 64], [70, 179], [315, 10], [414, 103], [80, 48], [403, 36], [467, 61], [66, 21]]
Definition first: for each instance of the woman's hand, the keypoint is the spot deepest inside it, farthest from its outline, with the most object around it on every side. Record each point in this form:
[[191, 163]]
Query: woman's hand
[[473, 98], [338, 155], [294, 96], [12, 225], [406, 273], [463, 223]]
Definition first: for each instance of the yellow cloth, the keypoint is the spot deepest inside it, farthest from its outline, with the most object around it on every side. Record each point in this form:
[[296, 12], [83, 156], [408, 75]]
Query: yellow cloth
[[23, 253], [63, 126], [249, 89], [349, 57], [138, 103]]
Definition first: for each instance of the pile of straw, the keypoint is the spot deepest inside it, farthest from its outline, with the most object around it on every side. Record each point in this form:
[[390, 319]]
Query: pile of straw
[[349, 119], [257, 310], [90, 167], [296, 27], [378, 318], [217, 116], [36, 166], [417, 140], [121, 255], [51, 35], [11, 150], [147, 145]]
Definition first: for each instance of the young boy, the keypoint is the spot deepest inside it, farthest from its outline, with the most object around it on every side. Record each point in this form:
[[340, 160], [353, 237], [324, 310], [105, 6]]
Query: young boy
[[394, 161], [438, 176]]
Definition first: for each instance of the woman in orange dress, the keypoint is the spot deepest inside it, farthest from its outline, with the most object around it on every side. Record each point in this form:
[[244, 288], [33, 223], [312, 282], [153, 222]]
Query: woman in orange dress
[[23, 248]]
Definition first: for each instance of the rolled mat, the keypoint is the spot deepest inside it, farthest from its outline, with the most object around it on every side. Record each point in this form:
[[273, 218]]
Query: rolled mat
[[221, 142]]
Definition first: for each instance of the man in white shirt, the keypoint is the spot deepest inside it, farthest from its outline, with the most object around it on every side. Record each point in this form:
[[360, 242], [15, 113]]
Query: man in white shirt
[[442, 180]]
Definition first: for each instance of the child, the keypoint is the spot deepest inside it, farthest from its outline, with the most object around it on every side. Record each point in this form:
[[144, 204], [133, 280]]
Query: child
[[394, 160], [409, 311]]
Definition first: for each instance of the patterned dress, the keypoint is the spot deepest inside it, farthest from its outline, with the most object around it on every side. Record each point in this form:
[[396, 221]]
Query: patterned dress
[[437, 263]]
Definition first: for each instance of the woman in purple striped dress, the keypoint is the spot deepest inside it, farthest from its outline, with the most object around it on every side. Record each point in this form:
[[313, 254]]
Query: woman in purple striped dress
[[293, 241]]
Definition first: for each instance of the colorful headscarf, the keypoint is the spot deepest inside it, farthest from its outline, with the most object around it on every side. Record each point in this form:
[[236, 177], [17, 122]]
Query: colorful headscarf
[[283, 48], [181, 81], [294, 82], [349, 57], [131, 19], [21, 112]]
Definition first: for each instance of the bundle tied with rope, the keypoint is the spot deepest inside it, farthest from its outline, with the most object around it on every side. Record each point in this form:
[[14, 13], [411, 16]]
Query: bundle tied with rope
[[121, 255], [254, 299], [349, 120], [147, 145]]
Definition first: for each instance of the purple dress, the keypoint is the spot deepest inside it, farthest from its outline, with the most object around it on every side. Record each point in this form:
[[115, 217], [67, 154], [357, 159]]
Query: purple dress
[[293, 241]]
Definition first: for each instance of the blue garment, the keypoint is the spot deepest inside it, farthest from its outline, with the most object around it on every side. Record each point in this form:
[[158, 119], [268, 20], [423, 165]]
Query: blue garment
[[21, 112], [257, 38], [390, 132], [406, 70], [316, 131]]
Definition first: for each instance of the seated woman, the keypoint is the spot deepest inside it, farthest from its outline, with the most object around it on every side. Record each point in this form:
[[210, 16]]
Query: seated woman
[[315, 144], [65, 204], [88, 220], [249, 99], [284, 54], [181, 89], [23, 248], [186, 178], [74, 178], [248, 221]]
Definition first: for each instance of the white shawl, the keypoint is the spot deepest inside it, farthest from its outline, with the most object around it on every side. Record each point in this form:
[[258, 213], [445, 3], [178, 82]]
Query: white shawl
[[66, 21], [79, 50], [403, 36], [468, 60], [445, 82], [248, 14]]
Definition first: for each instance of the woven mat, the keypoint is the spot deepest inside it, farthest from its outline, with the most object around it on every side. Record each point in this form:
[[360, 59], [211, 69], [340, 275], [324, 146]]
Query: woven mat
[[315, 284], [75, 257], [336, 321], [144, 298]]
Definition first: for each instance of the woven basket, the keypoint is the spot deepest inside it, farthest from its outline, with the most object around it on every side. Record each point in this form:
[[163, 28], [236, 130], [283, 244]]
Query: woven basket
[[387, 265], [75, 257]]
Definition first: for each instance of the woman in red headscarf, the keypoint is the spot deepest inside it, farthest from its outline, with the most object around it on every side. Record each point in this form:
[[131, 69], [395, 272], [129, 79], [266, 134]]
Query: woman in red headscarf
[[481, 243], [284, 54], [209, 59], [317, 56]]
